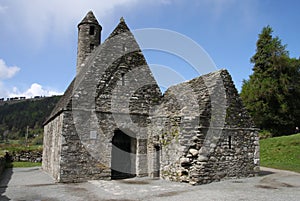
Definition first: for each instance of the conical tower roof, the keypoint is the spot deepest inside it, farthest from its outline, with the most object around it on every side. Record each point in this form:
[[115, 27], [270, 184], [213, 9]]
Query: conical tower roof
[[89, 19]]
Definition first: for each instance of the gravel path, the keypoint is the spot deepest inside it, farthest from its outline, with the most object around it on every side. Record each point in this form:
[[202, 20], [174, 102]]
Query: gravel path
[[32, 184]]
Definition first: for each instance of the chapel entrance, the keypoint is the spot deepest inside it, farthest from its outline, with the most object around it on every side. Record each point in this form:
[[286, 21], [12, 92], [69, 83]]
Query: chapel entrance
[[123, 156]]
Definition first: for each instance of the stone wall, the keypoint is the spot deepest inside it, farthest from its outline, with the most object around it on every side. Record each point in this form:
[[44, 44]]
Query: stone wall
[[77, 162], [225, 159], [204, 132], [52, 146], [27, 156]]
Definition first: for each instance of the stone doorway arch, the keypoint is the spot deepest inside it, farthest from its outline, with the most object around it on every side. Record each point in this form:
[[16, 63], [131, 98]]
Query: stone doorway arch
[[123, 155]]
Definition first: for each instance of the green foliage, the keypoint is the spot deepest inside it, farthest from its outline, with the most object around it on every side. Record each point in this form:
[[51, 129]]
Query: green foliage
[[268, 48], [38, 140], [167, 137], [14, 118], [272, 93], [264, 134], [281, 152]]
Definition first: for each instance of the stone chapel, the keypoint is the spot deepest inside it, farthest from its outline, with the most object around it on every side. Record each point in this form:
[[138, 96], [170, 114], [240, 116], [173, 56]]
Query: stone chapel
[[113, 122]]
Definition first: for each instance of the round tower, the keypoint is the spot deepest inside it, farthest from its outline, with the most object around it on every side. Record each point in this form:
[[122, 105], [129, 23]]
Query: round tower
[[89, 37]]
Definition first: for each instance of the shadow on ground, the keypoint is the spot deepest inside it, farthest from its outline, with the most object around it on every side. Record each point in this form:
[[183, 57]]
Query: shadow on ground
[[4, 180], [264, 173]]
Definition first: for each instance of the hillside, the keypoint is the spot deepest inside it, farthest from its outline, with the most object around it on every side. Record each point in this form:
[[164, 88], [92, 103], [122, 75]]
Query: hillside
[[281, 152], [16, 116]]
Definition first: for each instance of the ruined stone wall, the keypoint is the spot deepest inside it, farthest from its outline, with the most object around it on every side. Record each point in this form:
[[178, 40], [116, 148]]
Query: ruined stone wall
[[27, 156], [232, 155], [209, 137]]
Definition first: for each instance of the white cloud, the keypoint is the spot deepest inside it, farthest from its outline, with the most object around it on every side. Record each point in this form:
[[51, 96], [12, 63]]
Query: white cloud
[[3, 92], [7, 72], [39, 18], [2, 9], [34, 90]]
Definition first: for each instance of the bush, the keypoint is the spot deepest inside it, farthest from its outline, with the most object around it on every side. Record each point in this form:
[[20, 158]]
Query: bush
[[264, 134], [38, 140]]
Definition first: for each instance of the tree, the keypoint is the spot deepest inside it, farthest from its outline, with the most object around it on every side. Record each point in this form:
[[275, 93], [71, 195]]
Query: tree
[[272, 92]]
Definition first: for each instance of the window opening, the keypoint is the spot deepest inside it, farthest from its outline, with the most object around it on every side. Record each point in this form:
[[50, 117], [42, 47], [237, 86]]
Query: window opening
[[92, 30], [92, 46], [229, 141], [123, 79]]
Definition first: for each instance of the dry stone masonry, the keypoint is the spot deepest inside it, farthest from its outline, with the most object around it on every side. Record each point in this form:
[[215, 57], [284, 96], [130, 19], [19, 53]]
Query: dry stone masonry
[[204, 141], [27, 156], [113, 122]]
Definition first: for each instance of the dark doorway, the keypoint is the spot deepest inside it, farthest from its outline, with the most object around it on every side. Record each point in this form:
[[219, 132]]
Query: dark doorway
[[123, 156], [157, 162]]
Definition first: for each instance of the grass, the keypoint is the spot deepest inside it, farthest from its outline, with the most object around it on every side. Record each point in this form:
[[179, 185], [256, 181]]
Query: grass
[[25, 164], [18, 147], [22, 164], [281, 152]]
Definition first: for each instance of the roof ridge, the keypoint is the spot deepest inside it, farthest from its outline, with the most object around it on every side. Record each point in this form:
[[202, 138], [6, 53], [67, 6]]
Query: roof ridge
[[120, 28]]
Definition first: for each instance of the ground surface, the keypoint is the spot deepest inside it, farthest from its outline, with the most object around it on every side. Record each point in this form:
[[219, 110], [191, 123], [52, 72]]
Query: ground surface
[[32, 184]]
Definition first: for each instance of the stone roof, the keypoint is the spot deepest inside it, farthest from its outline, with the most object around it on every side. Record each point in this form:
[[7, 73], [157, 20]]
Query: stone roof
[[65, 102], [213, 97], [89, 19], [121, 28]]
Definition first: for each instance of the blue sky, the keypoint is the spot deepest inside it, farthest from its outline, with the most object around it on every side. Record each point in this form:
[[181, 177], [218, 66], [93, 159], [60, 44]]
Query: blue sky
[[38, 38]]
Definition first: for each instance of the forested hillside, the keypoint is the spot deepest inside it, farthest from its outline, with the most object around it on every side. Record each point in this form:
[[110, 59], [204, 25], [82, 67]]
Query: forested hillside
[[29, 114]]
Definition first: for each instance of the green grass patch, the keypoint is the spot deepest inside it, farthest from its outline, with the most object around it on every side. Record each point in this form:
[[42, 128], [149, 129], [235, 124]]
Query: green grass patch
[[17, 147], [281, 152], [23, 164]]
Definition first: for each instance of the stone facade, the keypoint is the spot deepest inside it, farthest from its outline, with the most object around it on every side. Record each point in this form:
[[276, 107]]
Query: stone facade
[[113, 121]]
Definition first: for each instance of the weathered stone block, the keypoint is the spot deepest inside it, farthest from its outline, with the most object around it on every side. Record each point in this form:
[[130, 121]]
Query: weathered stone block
[[194, 152]]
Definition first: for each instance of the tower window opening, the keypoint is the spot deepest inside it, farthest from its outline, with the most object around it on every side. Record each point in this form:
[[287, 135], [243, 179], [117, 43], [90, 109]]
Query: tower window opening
[[92, 46], [92, 30], [123, 79], [229, 141]]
